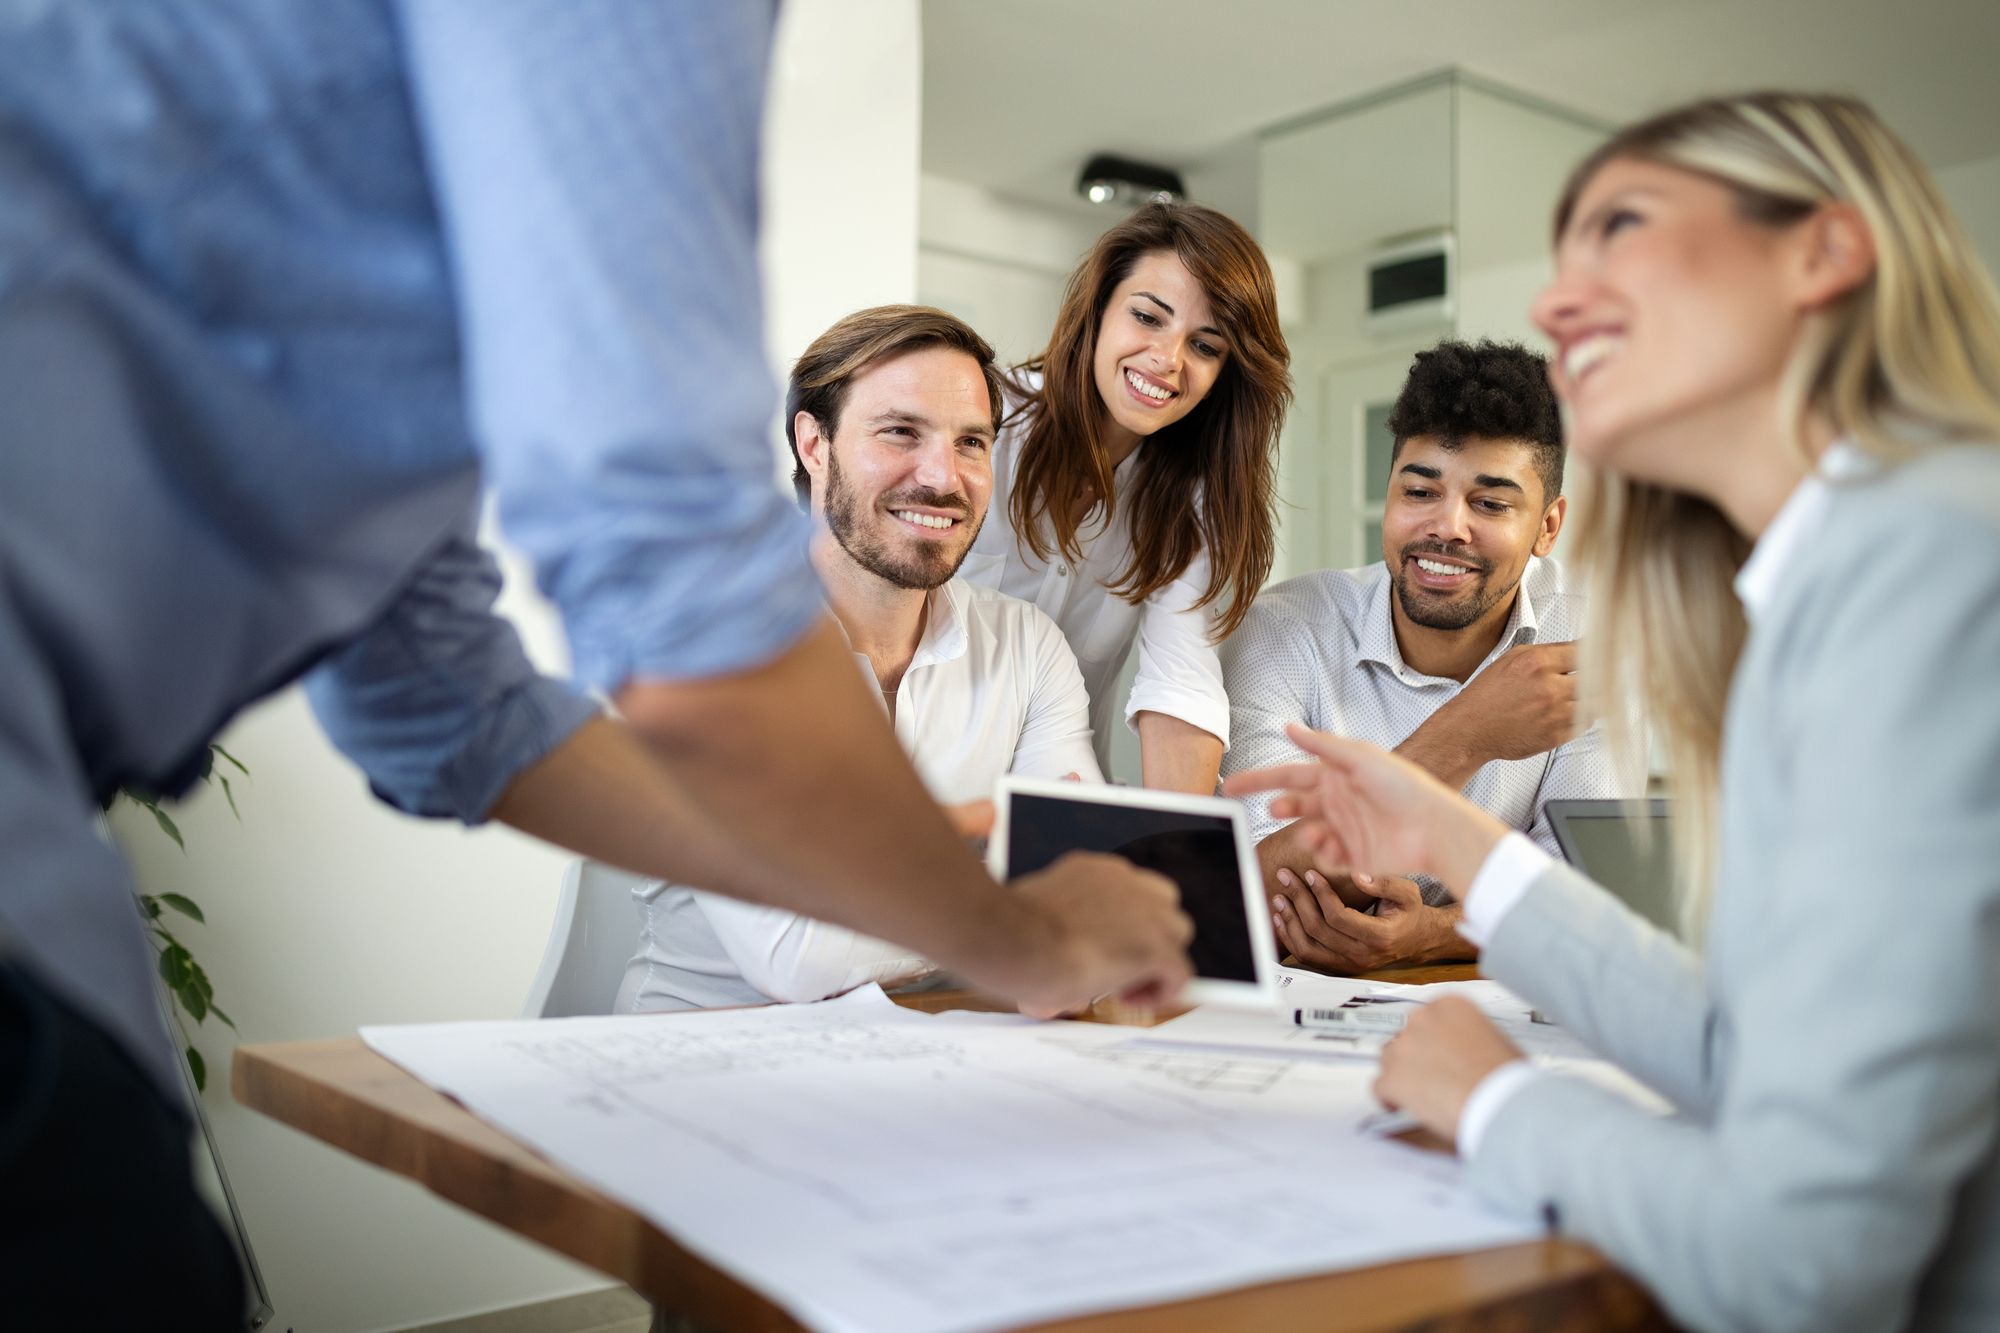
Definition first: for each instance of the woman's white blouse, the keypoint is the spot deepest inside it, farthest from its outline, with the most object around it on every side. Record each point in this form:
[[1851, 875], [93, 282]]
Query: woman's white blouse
[[1180, 672]]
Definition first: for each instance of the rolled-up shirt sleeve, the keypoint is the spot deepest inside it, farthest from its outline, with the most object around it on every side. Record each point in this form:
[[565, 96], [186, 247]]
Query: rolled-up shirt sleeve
[[1269, 686], [1180, 671], [437, 701], [596, 169], [795, 959]]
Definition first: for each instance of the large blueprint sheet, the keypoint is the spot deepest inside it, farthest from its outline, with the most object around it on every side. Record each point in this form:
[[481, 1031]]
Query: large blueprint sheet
[[872, 1168]]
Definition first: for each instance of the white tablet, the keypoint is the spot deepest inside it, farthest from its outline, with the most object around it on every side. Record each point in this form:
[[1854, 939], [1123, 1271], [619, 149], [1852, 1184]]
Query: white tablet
[[1202, 843]]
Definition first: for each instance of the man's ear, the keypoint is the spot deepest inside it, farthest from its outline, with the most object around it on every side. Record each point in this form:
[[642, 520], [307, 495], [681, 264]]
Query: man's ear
[[1836, 255], [1552, 526], [812, 445]]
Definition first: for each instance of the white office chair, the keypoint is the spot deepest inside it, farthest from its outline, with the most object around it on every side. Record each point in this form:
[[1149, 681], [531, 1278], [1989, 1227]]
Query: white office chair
[[595, 935]]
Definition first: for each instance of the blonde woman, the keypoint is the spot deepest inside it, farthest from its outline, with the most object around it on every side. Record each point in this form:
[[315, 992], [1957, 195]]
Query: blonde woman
[[1776, 343]]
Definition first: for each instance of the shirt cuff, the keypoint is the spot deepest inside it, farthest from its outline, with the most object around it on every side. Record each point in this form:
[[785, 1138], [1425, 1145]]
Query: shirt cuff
[[1190, 706], [1504, 876], [1494, 1091]]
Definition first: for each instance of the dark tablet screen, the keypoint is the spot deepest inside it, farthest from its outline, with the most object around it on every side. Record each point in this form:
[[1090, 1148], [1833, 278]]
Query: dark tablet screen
[[1197, 852]]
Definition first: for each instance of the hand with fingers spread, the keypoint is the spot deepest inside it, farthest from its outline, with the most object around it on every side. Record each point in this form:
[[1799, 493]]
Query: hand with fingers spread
[[1434, 1063], [1316, 926], [1362, 809]]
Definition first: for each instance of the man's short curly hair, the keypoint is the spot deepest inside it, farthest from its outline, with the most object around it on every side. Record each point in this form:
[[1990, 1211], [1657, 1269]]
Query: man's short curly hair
[[1496, 391]]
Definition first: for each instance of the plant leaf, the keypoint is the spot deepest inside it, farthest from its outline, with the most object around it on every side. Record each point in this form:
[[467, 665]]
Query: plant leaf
[[199, 1068], [229, 796], [185, 906], [231, 758], [150, 906], [166, 825], [174, 960], [219, 1014]]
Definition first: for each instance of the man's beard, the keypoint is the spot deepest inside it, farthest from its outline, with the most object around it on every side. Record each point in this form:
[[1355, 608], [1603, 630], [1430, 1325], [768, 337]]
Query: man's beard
[[1433, 611], [920, 567]]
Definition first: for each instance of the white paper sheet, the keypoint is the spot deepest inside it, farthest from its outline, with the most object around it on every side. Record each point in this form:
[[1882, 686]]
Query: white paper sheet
[[1219, 1028], [871, 1168]]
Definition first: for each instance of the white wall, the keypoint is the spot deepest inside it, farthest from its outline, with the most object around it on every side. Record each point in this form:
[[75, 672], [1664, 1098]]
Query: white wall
[[998, 264], [328, 910], [1973, 190]]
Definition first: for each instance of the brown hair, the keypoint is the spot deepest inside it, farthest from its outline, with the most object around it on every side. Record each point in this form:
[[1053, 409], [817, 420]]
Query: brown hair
[[865, 338], [1215, 466]]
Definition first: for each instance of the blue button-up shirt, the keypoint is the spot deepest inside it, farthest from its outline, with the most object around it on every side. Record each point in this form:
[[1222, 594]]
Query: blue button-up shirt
[[281, 285]]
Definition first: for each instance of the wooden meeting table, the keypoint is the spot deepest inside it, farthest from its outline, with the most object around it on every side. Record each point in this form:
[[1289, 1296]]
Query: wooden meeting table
[[344, 1094]]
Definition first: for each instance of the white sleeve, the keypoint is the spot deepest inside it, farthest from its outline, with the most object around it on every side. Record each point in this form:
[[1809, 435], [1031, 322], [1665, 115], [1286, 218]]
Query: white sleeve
[[1506, 874], [1491, 1093], [795, 958], [1055, 740], [1180, 669]]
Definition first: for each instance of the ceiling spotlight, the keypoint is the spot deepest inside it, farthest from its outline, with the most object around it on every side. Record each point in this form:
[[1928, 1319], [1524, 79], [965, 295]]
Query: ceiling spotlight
[[1109, 179]]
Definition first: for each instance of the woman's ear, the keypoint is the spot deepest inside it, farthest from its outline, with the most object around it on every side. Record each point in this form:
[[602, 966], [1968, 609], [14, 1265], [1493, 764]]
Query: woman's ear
[[1836, 254]]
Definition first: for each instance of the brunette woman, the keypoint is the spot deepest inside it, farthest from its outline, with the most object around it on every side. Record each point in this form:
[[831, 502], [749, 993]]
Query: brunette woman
[[1133, 483], [1779, 348]]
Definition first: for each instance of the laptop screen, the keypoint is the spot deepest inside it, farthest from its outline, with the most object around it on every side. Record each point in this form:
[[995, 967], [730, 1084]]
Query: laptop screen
[[1627, 846]]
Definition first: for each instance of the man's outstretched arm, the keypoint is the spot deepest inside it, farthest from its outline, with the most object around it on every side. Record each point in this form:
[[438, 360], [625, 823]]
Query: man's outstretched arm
[[784, 785]]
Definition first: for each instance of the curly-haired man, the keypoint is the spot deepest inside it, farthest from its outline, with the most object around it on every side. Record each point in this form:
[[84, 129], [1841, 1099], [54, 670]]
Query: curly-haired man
[[1454, 650]]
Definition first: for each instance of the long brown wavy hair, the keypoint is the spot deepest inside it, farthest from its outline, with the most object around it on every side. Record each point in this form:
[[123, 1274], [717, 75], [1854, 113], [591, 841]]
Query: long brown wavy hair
[[1207, 480]]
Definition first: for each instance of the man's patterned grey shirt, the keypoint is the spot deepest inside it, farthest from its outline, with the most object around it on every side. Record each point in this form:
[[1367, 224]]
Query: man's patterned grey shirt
[[1320, 649]]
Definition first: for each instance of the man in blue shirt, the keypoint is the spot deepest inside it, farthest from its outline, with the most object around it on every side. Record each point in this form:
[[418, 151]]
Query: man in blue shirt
[[281, 286]]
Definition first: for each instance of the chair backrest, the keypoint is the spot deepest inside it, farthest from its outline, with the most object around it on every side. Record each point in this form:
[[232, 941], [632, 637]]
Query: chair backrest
[[595, 935]]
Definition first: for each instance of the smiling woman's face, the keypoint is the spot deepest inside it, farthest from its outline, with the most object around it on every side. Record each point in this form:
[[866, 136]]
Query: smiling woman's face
[[1159, 347], [1671, 318]]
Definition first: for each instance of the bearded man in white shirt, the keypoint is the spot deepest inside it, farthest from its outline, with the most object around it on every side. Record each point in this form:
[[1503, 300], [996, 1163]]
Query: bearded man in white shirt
[[891, 416], [1455, 651]]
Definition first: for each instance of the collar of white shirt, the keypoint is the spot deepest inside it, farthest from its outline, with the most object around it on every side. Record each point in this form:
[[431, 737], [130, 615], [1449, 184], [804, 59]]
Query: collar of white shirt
[[1377, 641], [1796, 523], [944, 638]]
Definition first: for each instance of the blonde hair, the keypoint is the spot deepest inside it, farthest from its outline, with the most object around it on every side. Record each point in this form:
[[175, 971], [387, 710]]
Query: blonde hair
[[1910, 356]]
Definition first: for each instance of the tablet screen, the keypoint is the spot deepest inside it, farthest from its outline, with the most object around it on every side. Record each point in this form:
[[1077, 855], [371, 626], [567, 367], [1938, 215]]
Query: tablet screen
[[1197, 852]]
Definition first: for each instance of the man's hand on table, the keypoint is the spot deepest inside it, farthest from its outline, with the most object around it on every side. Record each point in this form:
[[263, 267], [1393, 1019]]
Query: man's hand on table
[[1521, 706], [1111, 928], [1321, 931]]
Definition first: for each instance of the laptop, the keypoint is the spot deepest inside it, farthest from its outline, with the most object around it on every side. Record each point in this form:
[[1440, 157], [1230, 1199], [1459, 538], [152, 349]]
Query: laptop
[[1627, 846], [1202, 843]]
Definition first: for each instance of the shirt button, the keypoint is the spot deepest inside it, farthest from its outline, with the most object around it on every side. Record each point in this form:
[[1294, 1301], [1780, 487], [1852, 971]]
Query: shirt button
[[1062, 571]]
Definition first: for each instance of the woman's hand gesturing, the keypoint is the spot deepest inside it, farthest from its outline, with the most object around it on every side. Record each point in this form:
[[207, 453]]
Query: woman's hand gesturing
[[1363, 809]]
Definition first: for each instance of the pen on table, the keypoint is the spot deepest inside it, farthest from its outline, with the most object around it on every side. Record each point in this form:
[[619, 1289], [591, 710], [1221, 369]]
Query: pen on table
[[1352, 1013]]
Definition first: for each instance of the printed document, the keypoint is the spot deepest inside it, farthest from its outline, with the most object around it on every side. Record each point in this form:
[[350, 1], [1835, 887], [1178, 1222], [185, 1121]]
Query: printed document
[[875, 1169]]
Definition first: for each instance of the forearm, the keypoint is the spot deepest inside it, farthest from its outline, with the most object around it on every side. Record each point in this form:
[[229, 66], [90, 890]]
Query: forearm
[[1176, 755], [794, 765], [1447, 946], [1442, 751]]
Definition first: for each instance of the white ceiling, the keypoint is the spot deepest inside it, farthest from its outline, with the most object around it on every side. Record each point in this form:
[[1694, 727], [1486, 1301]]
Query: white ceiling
[[1018, 92]]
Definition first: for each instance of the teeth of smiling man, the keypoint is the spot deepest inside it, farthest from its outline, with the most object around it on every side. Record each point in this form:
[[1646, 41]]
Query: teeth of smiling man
[[1147, 387], [1433, 567], [924, 520], [1585, 355]]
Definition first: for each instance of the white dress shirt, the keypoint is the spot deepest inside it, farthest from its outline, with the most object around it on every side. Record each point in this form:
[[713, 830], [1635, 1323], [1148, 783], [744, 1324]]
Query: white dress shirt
[[992, 689], [1179, 673], [1320, 649], [1512, 867]]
